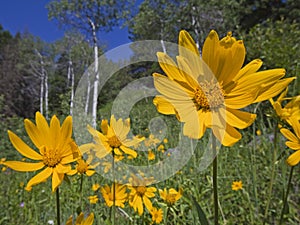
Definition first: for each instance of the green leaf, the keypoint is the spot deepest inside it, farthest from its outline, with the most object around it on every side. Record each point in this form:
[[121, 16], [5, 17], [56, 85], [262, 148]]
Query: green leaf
[[202, 217]]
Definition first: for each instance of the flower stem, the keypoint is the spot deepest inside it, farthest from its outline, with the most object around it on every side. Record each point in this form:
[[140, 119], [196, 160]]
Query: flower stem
[[286, 195], [57, 207], [215, 184], [272, 175], [114, 191]]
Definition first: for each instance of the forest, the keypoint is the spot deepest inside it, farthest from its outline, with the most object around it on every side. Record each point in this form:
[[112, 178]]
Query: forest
[[251, 183]]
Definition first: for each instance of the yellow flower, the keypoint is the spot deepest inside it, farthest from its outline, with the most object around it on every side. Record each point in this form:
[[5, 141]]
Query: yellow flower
[[112, 139], [291, 109], [84, 167], [165, 140], [95, 187], [258, 132], [293, 141], [209, 92], [56, 150], [81, 221], [151, 155], [118, 198], [236, 185], [151, 141], [170, 196], [93, 199], [139, 194], [157, 215]]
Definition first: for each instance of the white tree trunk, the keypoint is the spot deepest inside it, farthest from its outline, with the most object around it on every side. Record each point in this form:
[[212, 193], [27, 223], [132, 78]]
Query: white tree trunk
[[72, 78], [96, 71], [46, 92], [163, 46], [42, 94], [88, 92]]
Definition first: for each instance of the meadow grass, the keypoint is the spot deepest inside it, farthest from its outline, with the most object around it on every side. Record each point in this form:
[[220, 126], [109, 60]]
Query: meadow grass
[[251, 161]]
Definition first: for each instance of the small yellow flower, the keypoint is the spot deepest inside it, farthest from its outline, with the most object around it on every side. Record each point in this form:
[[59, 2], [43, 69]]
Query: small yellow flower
[[56, 147], [293, 141], [157, 215], [93, 199], [236, 185], [84, 167], [165, 141], [81, 221], [171, 196], [160, 147], [140, 194], [95, 187], [151, 141], [151, 155], [258, 132], [118, 198]]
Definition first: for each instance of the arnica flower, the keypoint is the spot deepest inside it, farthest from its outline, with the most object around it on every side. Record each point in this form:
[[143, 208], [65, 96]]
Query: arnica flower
[[93, 199], [95, 187], [140, 194], [293, 141], [157, 215], [84, 166], [56, 150], [209, 92], [291, 109], [118, 198], [236, 185], [170, 196], [112, 139], [151, 155], [80, 220]]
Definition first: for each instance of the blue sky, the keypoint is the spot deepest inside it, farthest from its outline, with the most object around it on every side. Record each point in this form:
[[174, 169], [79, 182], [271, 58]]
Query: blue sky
[[31, 15]]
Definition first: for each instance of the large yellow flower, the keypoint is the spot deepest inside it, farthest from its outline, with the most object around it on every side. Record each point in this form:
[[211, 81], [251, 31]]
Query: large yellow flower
[[118, 198], [112, 139], [291, 109], [140, 194], [80, 220], [293, 141], [56, 150], [209, 92]]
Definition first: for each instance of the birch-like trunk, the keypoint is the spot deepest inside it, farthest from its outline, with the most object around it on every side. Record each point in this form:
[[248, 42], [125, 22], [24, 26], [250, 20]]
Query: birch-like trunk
[[96, 71], [71, 78], [42, 93], [88, 92], [46, 92]]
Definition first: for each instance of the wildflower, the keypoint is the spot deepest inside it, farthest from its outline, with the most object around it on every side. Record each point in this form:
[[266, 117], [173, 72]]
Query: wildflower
[[151, 155], [93, 199], [112, 139], [165, 140], [236, 185], [293, 141], [84, 167], [211, 97], [291, 109], [151, 141], [170, 196], [114, 195], [258, 132], [157, 215], [81, 221], [95, 187], [140, 194], [56, 150]]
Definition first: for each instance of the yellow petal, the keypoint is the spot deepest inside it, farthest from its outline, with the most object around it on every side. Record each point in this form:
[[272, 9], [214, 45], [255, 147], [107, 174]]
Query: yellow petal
[[40, 177], [239, 119], [240, 100], [54, 131], [43, 127], [57, 178], [227, 137], [128, 151], [293, 145], [163, 106], [210, 47], [187, 42], [147, 203], [89, 220], [79, 218], [23, 148], [34, 134], [23, 166], [90, 172], [250, 68], [289, 135], [294, 159]]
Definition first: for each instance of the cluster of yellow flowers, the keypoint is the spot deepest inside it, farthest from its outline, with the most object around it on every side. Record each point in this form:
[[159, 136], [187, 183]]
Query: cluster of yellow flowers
[[204, 91]]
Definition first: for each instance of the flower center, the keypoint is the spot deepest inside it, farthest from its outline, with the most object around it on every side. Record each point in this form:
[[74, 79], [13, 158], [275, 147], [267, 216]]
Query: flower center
[[141, 190], [50, 157], [82, 166], [171, 198], [208, 95], [114, 142]]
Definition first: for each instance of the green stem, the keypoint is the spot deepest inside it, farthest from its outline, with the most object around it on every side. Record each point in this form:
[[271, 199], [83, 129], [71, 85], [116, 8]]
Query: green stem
[[215, 184], [57, 207], [272, 175], [114, 191], [286, 195]]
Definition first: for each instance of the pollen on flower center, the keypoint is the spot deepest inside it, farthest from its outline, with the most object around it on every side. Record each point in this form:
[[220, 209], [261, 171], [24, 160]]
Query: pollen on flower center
[[50, 157], [141, 190], [208, 95], [114, 142], [171, 198]]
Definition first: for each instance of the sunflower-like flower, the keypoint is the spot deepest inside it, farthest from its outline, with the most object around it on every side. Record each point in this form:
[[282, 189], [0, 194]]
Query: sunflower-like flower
[[140, 194], [157, 215], [170, 196], [237, 185], [209, 92], [114, 195], [293, 141], [80, 220], [56, 147], [112, 139], [84, 167], [291, 109]]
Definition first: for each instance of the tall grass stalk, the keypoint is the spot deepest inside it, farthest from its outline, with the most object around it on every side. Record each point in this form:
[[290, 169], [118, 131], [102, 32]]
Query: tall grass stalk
[[215, 184]]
